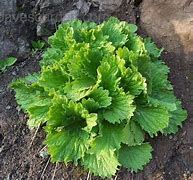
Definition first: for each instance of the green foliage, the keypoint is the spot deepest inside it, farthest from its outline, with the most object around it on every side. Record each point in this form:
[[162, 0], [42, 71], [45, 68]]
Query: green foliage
[[101, 91], [7, 63], [38, 45]]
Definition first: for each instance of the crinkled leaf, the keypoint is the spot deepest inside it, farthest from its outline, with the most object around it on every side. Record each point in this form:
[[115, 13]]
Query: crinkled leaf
[[177, 117], [107, 73], [34, 93], [36, 104], [63, 37], [133, 82], [103, 163], [90, 104], [51, 56], [38, 115], [156, 73], [152, 49], [152, 119], [53, 77], [84, 62], [164, 98], [135, 157], [121, 108], [66, 146], [135, 44], [77, 94], [113, 30], [129, 28], [132, 134], [159, 76], [102, 97], [68, 114], [101, 158], [110, 137]]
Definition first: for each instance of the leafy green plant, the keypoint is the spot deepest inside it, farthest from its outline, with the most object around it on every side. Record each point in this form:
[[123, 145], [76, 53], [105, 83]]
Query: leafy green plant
[[38, 45], [101, 91], [7, 63]]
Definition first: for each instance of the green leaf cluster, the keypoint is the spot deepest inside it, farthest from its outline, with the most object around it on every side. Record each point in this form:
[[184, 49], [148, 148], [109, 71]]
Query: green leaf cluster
[[101, 90], [38, 45], [4, 64]]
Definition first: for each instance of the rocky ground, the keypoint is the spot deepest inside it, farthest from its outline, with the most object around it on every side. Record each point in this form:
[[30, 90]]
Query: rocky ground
[[168, 22]]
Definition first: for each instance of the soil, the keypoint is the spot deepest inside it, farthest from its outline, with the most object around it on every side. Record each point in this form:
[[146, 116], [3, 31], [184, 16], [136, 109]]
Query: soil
[[19, 160]]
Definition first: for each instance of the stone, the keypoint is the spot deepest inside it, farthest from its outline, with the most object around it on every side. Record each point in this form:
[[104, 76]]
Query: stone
[[54, 12], [7, 47], [15, 27], [71, 15], [7, 6], [42, 28], [48, 3], [83, 6], [23, 47], [108, 5], [51, 13], [169, 22]]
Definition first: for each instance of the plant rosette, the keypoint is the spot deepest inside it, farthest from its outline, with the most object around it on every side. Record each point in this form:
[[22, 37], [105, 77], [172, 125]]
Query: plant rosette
[[102, 90]]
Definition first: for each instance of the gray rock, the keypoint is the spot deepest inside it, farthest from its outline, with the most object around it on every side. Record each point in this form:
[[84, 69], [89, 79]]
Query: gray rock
[[43, 20], [48, 3], [53, 12], [16, 29], [83, 6], [7, 6], [7, 47], [23, 47], [107, 5], [71, 15]]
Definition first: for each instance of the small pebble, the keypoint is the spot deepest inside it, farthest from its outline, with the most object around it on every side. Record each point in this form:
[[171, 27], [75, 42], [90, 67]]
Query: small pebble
[[1, 149], [43, 154], [14, 73], [8, 107]]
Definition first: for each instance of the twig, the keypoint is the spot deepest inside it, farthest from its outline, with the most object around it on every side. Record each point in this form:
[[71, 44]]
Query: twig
[[40, 150], [132, 176], [54, 171], [116, 177], [88, 176], [38, 2], [37, 7], [34, 136], [44, 168]]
